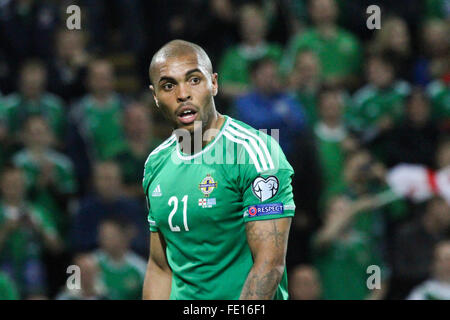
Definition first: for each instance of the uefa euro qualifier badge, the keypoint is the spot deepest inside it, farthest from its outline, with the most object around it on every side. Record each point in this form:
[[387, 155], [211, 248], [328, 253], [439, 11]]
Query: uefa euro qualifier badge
[[206, 186], [265, 189]]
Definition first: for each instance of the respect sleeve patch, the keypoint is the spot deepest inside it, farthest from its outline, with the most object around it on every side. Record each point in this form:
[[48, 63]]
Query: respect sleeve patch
[[264, 209]]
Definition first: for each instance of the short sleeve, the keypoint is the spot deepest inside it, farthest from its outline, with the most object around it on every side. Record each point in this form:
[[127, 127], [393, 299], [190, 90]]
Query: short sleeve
[[267, 193], [146, 185]]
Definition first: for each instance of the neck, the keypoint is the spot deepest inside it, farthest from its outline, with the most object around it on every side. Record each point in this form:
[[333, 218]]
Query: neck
[[332, 123], [205, 134], [101, 98], [327, 30], [117, 256]]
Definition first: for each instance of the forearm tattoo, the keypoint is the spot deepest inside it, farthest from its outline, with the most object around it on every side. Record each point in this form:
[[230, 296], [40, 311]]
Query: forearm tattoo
[[264, 278]]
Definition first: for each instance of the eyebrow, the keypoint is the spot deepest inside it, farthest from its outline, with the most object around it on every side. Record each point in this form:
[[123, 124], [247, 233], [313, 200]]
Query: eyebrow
[[165, 78]]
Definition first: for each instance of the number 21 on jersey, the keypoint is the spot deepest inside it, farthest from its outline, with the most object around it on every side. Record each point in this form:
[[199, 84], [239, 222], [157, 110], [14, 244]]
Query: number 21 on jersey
[[174, 201]]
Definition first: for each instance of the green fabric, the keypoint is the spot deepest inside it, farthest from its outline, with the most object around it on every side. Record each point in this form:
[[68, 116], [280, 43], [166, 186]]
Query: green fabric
[[343, 266], [234, 66], [64, 178], [8, 290], [102, 126], [16, 109], [206, 242], [338, 56], [436, 9], [440, 99], [131, 164], [332, 160], [123, 281], [371, 104]]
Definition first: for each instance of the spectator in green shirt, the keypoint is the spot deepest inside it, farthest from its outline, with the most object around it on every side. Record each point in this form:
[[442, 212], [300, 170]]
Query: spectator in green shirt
[[32, 99], [342, 252], [379, 105], [96, 131], [234, 74], [49, 174], [90, 284], [333, 140], [338, 50], [305, 81], [8, 289], [25, 231], [122, 271], [140, 141]]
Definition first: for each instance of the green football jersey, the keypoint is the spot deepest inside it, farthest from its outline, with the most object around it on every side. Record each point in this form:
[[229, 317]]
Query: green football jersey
[[123, 280], [201, 202]]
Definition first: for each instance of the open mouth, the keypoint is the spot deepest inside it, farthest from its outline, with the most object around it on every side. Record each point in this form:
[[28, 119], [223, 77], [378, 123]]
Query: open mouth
[[187, 114]]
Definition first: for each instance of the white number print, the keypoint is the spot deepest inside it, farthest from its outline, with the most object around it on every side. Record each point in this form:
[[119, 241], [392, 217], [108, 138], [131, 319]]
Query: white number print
[[174, 200]]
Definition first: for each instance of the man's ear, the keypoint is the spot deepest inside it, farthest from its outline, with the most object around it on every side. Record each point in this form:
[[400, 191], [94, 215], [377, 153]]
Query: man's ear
[[152, 89], [215, 83]]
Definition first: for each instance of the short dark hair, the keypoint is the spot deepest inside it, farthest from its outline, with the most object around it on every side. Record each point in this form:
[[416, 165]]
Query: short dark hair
[[258, 63]]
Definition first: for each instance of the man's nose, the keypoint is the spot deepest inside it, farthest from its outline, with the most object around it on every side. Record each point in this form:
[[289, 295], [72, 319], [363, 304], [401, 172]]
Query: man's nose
[[183, 93]]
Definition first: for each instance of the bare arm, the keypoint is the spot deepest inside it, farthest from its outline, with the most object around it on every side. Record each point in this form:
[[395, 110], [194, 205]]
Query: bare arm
[[267, 240], [158, 278]]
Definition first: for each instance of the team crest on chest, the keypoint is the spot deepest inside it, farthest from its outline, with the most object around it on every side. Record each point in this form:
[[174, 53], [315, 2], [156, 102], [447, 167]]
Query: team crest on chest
[[207, 185]]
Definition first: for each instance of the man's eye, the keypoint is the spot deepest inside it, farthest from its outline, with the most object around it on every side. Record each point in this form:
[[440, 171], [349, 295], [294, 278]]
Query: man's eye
[[168, 86], [195, 80]]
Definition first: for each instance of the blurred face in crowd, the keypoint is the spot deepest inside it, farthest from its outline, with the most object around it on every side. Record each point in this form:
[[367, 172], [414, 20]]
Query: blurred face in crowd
[[435, 37], [108, 181], [398, 37], [265, 78], [184, 86], [69, 43], [323, 11], [88, 270], [33, 79], [37, 134], [443, 155], [441, 263], [137, 121], [357, 168], [379, 73], [305, 283], [252, 24], [113, 239], [101, 78], [307, 68], [13, 185], [330, 107], [418, 109]]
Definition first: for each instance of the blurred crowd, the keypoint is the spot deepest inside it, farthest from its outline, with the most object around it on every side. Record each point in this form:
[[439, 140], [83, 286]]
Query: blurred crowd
[[77, 122]]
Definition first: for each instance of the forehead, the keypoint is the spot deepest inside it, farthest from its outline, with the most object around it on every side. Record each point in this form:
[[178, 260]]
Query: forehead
[[177, 66]]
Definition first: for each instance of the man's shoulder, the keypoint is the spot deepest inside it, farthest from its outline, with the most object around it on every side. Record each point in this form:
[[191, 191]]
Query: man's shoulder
[[255, 144], [160, 153]]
